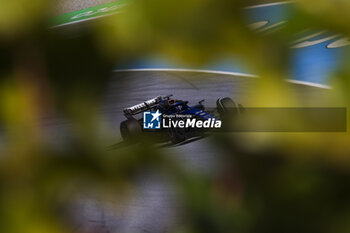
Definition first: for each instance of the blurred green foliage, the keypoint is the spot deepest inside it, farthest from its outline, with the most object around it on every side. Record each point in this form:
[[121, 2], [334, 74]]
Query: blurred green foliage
[[270, 182]]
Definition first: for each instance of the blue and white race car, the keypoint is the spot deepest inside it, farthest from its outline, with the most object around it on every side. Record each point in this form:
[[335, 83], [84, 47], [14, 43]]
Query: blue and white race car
[[132, 128]]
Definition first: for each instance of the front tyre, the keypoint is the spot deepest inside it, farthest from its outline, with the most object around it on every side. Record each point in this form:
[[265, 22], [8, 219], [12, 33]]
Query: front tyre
[[228, 111], [226, 106]]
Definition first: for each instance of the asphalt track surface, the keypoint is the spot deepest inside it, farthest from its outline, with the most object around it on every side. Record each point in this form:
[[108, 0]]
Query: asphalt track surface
[[155, 208]]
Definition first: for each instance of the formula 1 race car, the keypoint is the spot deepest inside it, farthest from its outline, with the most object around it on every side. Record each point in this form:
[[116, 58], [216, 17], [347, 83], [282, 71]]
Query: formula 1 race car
[[132, 128]]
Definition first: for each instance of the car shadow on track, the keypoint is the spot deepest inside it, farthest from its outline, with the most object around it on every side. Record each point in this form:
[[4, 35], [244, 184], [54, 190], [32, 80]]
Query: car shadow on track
[[123, 144], [118, 145], [171, 144]]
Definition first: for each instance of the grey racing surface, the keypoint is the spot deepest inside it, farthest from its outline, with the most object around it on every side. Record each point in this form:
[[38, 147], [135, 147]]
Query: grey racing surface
[[155, 207]]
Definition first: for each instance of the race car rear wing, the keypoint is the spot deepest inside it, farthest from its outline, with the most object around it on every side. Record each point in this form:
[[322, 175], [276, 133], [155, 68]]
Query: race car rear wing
[[147, 105]]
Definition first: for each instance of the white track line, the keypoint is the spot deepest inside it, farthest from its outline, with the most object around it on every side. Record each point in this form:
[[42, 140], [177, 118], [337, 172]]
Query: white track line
[[84, 20], [113, 13], [268, 4], [191, 70], [224, 73], [309, 84]]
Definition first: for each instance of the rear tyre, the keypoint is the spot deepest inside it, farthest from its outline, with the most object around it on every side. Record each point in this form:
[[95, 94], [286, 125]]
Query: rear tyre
[[130, 130]]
